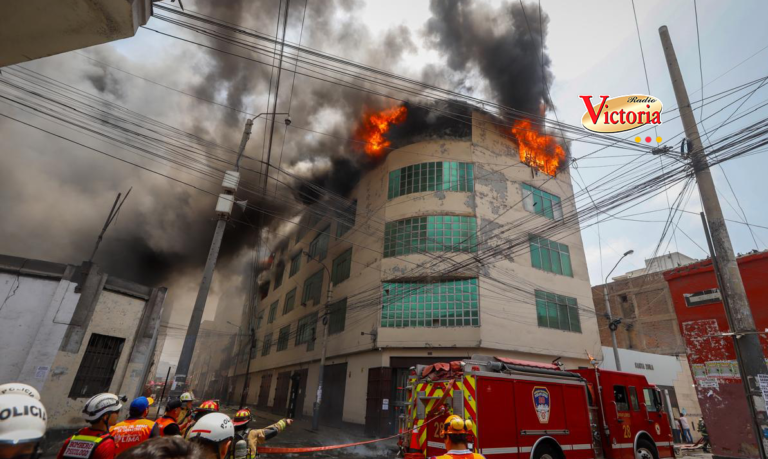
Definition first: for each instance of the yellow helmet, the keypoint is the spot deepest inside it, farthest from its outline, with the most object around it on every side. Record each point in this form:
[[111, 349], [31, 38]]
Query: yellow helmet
[[454, 424]]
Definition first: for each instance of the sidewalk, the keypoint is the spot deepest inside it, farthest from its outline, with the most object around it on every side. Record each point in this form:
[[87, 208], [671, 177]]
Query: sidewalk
[[300, 434]]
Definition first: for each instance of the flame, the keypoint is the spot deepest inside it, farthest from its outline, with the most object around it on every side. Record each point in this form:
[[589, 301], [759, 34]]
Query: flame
[[375, 125], [538, 150]]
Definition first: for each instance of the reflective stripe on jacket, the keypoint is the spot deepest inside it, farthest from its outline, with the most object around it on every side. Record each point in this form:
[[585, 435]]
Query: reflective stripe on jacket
[[84, 446]]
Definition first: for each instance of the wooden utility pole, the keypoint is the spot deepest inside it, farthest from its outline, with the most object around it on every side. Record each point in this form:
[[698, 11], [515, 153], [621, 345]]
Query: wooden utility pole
[[746, 341]]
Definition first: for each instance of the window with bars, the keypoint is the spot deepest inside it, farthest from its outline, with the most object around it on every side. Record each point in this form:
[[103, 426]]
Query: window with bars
[[312, 289], [295, 265], [557, 311], [318, 248], [430, 234], [342, 267], [305, 331], [267, 346], [259, 319], [282, 338], [279, 272], [290, 300], [550, 256], [346, 219], [337, 316], [439, 304], [432, 176], [272, 312], [542, 203], [97, 368]]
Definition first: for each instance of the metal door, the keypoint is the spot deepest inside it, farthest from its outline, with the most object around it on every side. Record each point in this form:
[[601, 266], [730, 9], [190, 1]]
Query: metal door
[[334, 387], [379, 387], [297, 393], [266, 384], [281, 393]]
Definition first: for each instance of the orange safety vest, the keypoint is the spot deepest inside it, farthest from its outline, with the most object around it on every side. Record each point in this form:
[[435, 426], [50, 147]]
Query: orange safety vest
[[460, 455], [164, 422], [130, 433]]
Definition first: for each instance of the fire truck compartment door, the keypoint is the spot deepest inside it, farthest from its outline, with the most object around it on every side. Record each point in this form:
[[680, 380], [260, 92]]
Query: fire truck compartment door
[[497, 428]]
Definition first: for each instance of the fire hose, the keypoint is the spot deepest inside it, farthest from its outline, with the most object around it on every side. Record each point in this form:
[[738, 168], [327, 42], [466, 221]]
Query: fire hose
[[311, 449]]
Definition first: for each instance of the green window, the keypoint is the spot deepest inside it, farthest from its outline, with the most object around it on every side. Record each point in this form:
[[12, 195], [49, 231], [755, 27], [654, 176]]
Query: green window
[[542, 203], [550, 256], [439, 304], [279, 272], [346, 219], [259, 319], [305, 331], [342, 266], [295, 265], [282, 338], [557, 311], [433, 176], [272, 312], [312, 289], [318, 248], [430, 234], [290, 300], [337, 316], [267, 345]]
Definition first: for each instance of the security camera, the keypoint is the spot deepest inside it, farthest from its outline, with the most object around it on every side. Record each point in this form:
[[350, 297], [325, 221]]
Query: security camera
[[287, 120]]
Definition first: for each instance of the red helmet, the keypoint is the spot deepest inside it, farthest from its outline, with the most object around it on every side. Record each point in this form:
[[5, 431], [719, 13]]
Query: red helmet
[[242, 417], [211, 406]]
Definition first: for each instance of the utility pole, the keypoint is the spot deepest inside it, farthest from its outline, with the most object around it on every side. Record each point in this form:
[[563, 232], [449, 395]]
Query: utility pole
[[325, 320], [612, 325], [746, 341]]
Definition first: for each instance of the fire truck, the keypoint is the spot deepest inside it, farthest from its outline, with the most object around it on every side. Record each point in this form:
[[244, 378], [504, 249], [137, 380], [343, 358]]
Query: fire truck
[[531, 410]]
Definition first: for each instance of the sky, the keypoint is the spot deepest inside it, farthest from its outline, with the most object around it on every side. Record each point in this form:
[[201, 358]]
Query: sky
[[61, 192]]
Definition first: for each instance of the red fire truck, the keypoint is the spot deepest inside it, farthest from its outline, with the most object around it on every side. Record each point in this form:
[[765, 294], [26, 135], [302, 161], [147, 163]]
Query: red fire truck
[[530, 410]]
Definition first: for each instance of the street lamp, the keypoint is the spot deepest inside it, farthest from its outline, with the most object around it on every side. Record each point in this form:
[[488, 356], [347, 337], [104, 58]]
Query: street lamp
[[319, 396], [611, 324]]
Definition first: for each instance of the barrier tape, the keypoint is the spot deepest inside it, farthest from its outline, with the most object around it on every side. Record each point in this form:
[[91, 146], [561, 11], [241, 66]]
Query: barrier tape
[[310, 449]]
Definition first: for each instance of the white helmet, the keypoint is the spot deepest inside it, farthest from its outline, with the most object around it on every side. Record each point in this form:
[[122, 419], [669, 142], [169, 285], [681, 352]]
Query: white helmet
[[186, 397], [99, 405], [213, 427], [21, 389], [22, 419]]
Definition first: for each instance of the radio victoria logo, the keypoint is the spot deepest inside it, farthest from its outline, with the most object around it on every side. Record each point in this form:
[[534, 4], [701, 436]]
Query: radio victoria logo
[[622, 113]]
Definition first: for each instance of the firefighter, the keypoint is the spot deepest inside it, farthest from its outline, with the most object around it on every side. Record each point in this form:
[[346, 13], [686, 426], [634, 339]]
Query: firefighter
[[136, 429], [21, 433], [25, 389], [455, 432], [215, 433], [167, 424], [255, 437], [704, 434], [187, 411], [94, 442], [207, 407]]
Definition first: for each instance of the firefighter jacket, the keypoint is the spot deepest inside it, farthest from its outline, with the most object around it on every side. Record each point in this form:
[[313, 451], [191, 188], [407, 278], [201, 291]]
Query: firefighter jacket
[[256, 437], [88, 443], [460, 454], [132, 432], [167, 427]]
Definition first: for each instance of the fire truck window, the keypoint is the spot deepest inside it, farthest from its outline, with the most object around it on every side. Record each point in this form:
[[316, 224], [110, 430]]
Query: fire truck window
[[649, 401], [620, 396], [633, 399]]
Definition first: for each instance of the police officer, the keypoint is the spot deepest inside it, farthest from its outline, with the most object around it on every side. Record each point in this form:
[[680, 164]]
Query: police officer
[[94, 442], [455, 432], [12, 388], [137, 428], [22, 426], [214, 433], [167, 424]]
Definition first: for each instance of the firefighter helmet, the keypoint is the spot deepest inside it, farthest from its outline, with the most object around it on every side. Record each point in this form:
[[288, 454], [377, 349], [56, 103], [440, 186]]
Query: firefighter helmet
[[13, 388], [211, 406], [27, 425], [187, 397], [454, 424], [242, 417], [101, 404], [214, 427]]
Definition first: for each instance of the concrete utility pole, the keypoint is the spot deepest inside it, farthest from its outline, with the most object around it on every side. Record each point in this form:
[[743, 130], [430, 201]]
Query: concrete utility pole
[[325, 321], [749, 352], [611, 324], [223, 210]]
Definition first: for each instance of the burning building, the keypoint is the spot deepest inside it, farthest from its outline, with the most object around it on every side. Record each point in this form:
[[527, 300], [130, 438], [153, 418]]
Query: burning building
[[422, 271]]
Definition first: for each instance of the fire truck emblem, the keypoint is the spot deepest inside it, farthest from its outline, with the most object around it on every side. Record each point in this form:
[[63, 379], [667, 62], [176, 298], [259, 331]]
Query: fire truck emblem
[[541, 403]]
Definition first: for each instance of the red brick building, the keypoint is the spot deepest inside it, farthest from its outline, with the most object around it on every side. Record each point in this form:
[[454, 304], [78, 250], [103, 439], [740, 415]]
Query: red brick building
[[712, 357]]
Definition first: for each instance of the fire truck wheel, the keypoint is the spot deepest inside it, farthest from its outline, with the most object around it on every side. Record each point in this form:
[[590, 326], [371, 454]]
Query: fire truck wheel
[[547, 451], [645, 450]]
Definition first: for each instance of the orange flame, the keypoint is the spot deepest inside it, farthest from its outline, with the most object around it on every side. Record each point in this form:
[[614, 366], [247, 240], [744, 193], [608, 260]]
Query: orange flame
[[375, 125], [538, 150]]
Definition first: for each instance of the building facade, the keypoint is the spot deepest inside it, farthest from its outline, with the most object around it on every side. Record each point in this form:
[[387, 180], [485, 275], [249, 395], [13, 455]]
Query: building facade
[[436, 255], [73, 332]]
